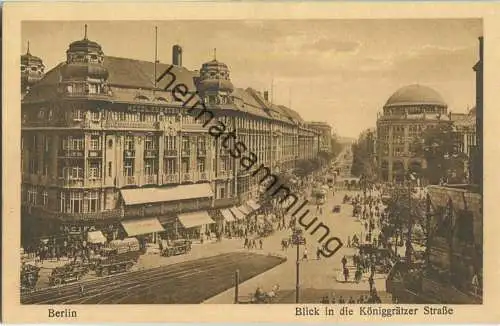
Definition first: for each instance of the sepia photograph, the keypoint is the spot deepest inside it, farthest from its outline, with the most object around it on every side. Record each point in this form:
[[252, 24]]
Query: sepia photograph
[[252, 162]]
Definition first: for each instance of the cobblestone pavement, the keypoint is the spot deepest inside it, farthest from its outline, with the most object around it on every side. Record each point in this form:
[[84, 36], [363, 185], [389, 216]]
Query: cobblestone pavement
[[314, 274]]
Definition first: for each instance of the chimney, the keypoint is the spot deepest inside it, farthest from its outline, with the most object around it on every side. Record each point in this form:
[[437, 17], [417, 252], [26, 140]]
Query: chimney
[[266, 95], [177, 55], [481, 48]]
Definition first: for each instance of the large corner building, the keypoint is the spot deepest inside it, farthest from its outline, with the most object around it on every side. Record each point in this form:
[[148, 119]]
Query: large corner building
[[105, 147]]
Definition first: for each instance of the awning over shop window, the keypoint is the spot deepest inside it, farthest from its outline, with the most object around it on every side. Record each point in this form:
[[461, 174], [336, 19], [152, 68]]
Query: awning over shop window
[[237, 213], [245, 209], [158, 195], [96, 237], [228, 216], [142, 226], [253, 205], [189, 220]]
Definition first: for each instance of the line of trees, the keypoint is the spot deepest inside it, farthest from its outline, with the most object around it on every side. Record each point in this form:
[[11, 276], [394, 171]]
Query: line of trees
[[363, 151]]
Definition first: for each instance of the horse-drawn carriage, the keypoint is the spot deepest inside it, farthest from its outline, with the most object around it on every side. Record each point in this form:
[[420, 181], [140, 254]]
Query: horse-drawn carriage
[[175, 247], [68, 273]]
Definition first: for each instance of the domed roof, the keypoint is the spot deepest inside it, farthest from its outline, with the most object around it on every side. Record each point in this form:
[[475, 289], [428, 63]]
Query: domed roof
[[84, 70], [215, 85], [29, 58], [84, 45], [214, 64], [415, 94]]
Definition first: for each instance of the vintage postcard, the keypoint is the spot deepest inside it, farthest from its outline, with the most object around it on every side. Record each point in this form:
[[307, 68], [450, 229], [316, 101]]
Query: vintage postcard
[[196, 161]]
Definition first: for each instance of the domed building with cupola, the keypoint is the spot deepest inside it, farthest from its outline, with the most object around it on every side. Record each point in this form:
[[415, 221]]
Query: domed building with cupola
[[108, 152], [406, 114]]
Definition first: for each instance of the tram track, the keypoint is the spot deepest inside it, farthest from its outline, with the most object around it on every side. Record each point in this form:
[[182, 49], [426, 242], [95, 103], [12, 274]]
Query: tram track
[[138, 286]]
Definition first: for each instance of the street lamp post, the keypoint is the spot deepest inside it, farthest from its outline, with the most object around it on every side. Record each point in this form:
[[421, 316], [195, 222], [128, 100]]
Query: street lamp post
[[297, 240]]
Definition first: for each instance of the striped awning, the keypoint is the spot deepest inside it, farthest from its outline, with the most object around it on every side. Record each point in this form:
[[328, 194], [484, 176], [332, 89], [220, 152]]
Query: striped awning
[[190, 220], [228, 216], [253, 204], [237, 213], [245, 209]]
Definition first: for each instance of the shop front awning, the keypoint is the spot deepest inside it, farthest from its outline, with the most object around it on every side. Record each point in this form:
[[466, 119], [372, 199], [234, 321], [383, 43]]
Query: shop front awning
[[245, 209], [158, 195], [228, 216], [190, 220], [96, 237], [237, 213], [253, 204], [142, 226]]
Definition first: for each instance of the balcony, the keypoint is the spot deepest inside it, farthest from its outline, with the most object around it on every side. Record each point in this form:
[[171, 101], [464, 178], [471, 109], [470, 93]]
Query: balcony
[[116, 124], [94, 154], [70, 217], [223, 174], [151, 153], [203, 176], [129, 181], [170, 153], [187, 177], [128, 154], [94, 182], [170, 178], [151, 179], [71, 153], [71, 183]]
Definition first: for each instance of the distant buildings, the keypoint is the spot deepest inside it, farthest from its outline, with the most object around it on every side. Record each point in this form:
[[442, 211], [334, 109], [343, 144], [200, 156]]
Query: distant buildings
[[406, 114], [325, 130], [103, 143]]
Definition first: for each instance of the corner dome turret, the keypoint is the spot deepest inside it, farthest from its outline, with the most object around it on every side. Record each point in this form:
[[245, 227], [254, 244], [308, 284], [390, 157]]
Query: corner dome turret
[[215, 77]]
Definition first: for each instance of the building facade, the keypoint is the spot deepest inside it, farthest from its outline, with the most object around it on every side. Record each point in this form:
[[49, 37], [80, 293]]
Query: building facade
[[104, 142], [406, 114], [325, 130]]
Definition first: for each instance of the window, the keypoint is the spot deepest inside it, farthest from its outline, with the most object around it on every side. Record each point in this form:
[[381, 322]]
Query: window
[[94, 170], [185, 144], [95, 143], [45, 198], [110, 169], [170, 142], [110, 143], [171, 166], [92, 89], [76, 202], [150, 167], [78, 115], [72, 143], [32, 194], [201, 143], [128, 167], [185, 165], [222, 193], [95, 116], [92, 199], [129, 143], [62, 206], [73, 172], [150, 143], [201, 165]]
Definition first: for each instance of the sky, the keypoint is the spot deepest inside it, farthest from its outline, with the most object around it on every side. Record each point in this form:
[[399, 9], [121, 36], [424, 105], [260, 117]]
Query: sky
[[338, 71]]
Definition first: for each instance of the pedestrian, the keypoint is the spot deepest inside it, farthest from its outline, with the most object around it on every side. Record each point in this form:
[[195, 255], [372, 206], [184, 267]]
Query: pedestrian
[[82, 290], [346, 274], [344, 262], [260, 243], [318, 253], [371, 282], [348, 241], [246, 245]]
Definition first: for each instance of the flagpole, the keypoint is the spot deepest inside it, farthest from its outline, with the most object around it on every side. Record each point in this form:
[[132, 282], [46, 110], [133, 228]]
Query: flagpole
[[156, 51]]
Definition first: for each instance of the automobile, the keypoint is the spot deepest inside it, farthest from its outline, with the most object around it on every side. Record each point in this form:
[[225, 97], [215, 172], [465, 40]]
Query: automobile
[[336, 209]]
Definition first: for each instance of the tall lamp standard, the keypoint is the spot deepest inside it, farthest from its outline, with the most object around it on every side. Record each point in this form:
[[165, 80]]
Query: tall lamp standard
[[410, 177]]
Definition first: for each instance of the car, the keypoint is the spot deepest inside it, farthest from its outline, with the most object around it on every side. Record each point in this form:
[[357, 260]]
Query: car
[[336, 209]]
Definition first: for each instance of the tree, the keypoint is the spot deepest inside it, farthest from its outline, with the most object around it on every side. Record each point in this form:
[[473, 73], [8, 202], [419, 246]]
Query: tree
[[363, 163], [439, 148]]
